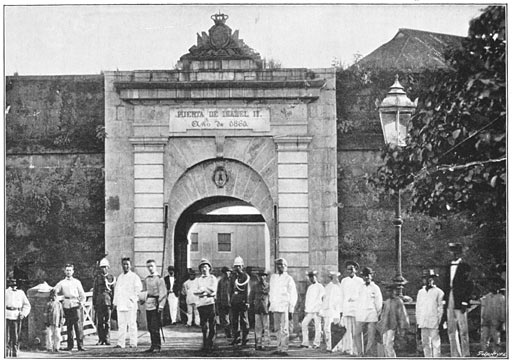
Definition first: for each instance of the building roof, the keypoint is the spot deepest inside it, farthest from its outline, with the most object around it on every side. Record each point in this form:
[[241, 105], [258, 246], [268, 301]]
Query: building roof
[[414, 50]]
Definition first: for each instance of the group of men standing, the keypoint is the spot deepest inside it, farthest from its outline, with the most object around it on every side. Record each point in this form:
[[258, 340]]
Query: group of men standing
[[357, 305], [354, 303]]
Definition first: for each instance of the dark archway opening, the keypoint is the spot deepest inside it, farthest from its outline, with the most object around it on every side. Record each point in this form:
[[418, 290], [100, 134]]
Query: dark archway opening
[[203, 212]]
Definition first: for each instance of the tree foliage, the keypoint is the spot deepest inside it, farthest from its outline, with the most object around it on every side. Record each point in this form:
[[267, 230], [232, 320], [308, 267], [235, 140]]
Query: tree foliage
[[455, 158]]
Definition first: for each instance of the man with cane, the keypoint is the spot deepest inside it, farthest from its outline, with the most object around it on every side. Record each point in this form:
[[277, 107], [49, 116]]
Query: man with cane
[[156, 295], [17, 307]]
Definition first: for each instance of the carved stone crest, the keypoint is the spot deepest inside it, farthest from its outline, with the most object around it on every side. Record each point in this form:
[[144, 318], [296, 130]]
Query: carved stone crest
[[220, 176], [220, 33], [220, 42]]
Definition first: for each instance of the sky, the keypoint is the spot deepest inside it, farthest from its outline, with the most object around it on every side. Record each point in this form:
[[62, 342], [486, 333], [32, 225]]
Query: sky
[[88, 39]]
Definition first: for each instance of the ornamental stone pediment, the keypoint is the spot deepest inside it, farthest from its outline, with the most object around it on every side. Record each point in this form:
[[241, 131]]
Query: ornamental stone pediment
[[220, 42]]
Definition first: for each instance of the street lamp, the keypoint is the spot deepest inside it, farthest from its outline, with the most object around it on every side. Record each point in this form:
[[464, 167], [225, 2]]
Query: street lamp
[[395, 112]]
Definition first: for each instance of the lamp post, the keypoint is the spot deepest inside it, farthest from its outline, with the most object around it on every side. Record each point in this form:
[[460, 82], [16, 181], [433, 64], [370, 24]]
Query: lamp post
[[395, 112]]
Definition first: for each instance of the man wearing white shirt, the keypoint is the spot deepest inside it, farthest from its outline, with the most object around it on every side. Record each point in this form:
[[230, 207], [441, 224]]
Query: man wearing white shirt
[[331, 306], [349, 293], [369, 306], [206, 291], [429, 311], [126, 299], [188, 291], [74, 297], [314, 298], [17, 307], [282, 298]]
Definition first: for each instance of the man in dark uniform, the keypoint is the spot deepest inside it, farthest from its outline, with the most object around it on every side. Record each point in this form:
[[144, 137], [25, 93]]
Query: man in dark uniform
[[224, 300], [172, 294], [102, 296], [457, 301], [240, 302]]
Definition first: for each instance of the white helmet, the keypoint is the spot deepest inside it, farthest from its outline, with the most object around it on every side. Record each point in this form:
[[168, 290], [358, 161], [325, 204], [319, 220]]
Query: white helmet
[[238, 261], [104, 262]]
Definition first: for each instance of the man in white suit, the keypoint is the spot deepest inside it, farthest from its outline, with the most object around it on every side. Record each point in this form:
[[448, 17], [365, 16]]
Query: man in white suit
[[126, 300]]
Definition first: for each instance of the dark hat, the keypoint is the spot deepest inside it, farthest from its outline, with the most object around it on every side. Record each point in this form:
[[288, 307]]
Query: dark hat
[[429, 273], [351, 262], [170, 268], [191, 271], [226, 269], [263, 272], [455, 246], [367, 270], [10, 279], [312, 273]]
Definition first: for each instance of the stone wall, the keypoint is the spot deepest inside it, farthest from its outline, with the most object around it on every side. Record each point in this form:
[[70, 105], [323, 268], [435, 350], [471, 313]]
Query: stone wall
[[55, 214], [54, 175], [294, 158], [54, 114], [51, 132]]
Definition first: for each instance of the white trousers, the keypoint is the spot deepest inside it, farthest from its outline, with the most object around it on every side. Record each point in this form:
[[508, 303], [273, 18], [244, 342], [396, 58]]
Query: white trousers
[[192, 311], [327, 332], [457, 330], [347, 345], [315, 317], [127, 318], [173, 307], [281, 324], [53, 338], [388, 340], [431, 342]]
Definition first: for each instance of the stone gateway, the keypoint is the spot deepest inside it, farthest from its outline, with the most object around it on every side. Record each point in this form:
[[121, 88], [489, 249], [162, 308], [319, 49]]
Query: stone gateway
[[221, 131]]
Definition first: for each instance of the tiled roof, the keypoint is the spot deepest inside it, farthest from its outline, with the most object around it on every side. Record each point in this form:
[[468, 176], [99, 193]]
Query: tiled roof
[[412, 50]]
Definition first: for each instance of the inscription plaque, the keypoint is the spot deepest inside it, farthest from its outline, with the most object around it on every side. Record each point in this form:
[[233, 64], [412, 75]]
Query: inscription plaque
[[184, 119]]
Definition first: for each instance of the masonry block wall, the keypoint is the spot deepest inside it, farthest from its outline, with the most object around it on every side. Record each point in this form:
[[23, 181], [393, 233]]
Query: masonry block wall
[[54, 175], [289, 164]]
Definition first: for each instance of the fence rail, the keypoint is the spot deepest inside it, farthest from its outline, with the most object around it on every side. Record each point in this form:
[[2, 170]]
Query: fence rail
[[86, 318]]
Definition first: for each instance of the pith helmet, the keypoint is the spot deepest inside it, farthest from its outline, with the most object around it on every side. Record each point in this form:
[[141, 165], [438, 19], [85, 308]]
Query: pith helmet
[[238, 261], [205, 261], [282, 261], [104, 262]]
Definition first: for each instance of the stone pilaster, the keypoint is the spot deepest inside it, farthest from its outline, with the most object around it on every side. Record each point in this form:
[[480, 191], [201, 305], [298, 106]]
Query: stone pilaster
[[293, 199], [148, 216]]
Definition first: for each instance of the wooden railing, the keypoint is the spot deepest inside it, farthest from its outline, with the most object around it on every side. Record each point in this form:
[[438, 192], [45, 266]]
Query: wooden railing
[[86, 318]]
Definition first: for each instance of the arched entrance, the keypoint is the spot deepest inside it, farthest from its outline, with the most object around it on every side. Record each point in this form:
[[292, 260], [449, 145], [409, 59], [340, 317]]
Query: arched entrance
[[197, 194], [219, 228]]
